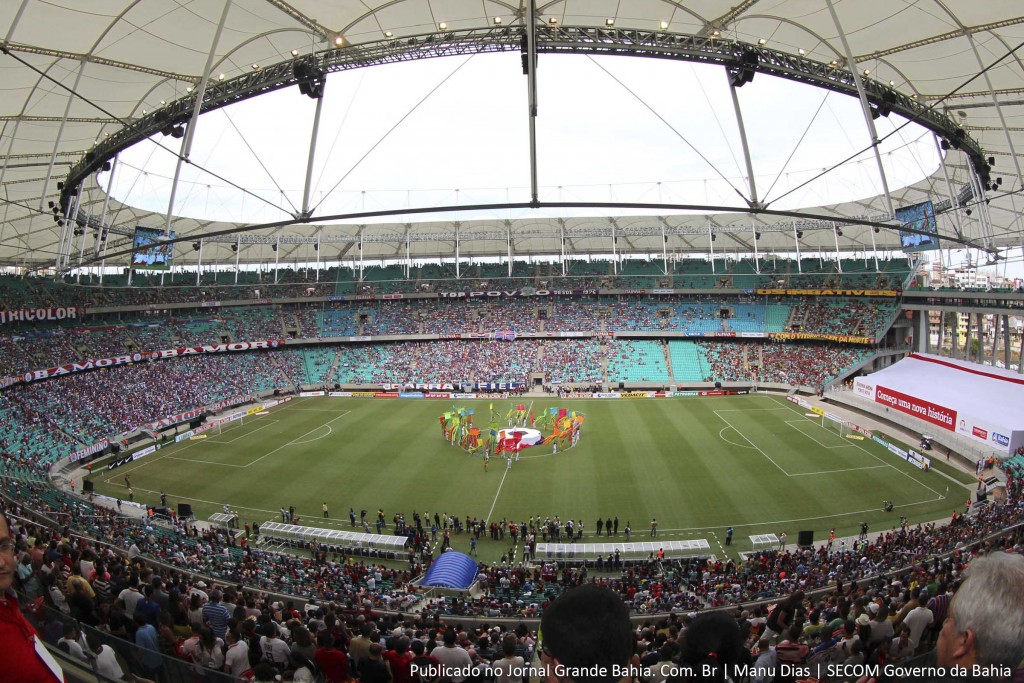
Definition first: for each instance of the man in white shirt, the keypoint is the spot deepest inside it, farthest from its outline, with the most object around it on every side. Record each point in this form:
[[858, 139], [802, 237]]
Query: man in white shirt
[[918, 619], [106, 660], [454, 660], [236, 659], [69, 643]]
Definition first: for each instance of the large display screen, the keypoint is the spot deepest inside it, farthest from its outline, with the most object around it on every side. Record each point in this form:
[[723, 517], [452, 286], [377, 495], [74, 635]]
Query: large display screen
[[147, 256], [921, 219]]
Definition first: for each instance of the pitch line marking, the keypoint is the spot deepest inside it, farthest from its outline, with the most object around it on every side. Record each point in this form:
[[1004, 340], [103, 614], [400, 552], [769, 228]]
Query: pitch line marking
[[888, 464], [329, 432], [139, 464], [850, 469], [297, 440], [243, 435], [752, 443], [294, 442], [738, 445], [792, 423]]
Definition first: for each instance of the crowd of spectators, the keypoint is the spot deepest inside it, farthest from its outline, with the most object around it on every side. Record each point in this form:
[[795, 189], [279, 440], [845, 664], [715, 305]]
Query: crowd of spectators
[[809, 365], [179, 286], [512, 587]]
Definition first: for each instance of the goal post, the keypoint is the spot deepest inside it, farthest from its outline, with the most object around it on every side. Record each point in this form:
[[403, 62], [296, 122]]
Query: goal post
[[835, 425]]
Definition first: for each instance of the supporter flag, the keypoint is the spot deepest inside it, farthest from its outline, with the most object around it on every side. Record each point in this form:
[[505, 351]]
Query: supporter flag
[[562, 412], [532, 419]]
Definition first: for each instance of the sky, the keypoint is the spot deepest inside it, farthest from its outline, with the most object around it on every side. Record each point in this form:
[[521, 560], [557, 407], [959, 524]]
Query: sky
[[454, 131]]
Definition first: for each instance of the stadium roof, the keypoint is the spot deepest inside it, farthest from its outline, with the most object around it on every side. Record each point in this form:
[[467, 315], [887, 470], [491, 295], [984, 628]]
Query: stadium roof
[[135, 68]]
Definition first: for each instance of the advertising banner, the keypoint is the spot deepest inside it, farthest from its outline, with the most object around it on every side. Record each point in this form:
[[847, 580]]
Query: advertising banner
[[89, 450], [310, 394], [35, 315], [937, 415], [831, 292], [124, 359]]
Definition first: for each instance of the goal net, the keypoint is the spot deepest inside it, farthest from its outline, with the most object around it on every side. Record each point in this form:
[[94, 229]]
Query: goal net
[[834, 425]]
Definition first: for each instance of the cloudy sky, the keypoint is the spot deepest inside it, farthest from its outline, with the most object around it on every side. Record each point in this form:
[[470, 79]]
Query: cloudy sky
[[454, 131]]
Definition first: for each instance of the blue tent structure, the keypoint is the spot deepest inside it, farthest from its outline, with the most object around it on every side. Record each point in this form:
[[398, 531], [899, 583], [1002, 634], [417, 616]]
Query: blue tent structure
[[451, 570]]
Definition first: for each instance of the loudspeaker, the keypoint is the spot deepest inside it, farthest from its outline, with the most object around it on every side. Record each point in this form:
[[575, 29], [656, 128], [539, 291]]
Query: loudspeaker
[[184, 510], [805, 539], [87, 486]]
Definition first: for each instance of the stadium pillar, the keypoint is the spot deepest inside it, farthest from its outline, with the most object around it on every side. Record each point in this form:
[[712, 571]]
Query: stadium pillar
[[199, 262], [757, 256], [949, 187], [1006, 341], [752, 201], [981, 336], [922, 338], [314, 133], [839, 257], [796, 242], [864, 105], [277, 249], [955, 345], [995, 102], [190, 129], [711, 248], [72, 96]]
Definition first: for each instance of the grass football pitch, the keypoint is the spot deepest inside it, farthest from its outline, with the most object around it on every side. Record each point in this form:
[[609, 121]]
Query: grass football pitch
[[698, 465]]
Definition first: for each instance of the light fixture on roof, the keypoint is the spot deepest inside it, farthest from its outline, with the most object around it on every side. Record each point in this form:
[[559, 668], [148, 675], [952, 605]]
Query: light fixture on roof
[[443, 26], [799, 234], [163, 102], [196, 246], [295, 53], [877, 230], [339, 40], [143, 112], [914, 96], [497, 21], [609, 22], [552, 21], [716, 33], [188, 89], [234, 247], [255, 67], [834, 62], [757, 235], [839, 232], [664, 25], [762, 42], [867, 72], [389, 34], [892, 84], [801, 52], [221, 77]]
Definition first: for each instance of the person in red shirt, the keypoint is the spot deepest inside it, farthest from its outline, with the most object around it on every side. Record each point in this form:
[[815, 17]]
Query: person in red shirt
[[332, 661], [23, 657], [398, 661]]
